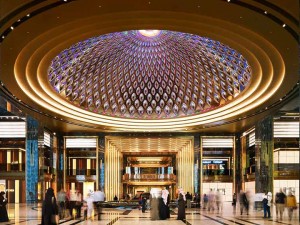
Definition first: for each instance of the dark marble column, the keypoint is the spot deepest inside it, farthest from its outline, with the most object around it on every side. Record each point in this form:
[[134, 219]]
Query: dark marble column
[[32, 159], [197, 164], [264, 147], [239, 170], [101, 162]]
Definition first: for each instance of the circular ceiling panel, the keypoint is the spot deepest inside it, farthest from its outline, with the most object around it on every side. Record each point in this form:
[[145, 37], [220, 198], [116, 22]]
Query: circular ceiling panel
[[149, 74]]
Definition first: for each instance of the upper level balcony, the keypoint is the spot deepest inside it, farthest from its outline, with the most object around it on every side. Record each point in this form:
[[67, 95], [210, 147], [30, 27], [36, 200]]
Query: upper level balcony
[[170, 178]]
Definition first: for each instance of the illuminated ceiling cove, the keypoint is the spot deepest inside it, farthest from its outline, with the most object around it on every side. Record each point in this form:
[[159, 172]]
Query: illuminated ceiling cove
[[149, 74], [167, 67]]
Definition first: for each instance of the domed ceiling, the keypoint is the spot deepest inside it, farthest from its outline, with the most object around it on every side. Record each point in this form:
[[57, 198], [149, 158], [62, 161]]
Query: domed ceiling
[[149, 74], [207, 67]]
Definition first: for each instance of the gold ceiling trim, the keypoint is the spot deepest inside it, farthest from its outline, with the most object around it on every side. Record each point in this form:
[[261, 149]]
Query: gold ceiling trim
[[150, 145]]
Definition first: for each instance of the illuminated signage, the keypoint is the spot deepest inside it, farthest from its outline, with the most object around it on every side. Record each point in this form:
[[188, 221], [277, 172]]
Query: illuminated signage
[[214, 162], [80, 177]]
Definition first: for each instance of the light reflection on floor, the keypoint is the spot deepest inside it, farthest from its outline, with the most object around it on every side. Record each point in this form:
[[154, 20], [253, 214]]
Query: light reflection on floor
[[31, 214]]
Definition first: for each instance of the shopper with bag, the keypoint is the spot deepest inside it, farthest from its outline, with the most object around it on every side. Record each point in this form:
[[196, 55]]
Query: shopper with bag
[[267, 204], [50, 209], [291, 204]]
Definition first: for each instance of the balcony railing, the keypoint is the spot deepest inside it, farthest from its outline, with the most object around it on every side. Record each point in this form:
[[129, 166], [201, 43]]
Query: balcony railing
[[210, 172], [149, 177], [217, 175], [8, 167]]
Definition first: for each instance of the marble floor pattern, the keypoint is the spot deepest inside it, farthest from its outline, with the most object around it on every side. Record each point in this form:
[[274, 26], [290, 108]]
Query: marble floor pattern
[[31, 214]]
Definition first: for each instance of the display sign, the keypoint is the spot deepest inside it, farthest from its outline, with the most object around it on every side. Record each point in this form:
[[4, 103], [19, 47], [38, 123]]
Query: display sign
[[80, 177], [214, 161]]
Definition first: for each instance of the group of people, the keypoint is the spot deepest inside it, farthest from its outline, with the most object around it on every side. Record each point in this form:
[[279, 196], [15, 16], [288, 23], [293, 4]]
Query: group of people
[[213, 200], [159, 204], [281, 201], [70, 205]]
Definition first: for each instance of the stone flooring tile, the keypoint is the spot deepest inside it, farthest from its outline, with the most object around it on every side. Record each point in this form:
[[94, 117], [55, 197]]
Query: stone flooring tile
[[30, 214]]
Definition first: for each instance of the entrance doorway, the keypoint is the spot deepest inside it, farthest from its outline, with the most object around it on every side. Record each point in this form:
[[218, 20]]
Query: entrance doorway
[[132, 163]]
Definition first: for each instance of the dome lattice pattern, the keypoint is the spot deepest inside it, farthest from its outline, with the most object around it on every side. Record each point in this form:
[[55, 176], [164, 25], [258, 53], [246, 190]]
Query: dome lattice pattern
[[128, 75]]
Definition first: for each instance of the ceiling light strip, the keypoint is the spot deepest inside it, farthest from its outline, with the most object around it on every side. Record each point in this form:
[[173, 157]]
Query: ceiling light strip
[[217, 143], [251, 139], [47, 139], [286, 129], [81, 142], [12, 129]]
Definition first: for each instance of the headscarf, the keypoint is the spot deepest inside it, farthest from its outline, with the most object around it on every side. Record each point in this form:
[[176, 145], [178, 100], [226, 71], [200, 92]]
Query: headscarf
[[49, 195], [180, 191], [164, 195]]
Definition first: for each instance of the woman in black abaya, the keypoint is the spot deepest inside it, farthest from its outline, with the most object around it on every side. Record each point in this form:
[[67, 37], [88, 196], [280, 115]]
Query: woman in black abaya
[[164, 211], [3, 211], [49, 208], [181, 204]]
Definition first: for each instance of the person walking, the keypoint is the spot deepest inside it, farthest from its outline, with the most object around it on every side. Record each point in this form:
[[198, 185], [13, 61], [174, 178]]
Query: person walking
[[181, 204], [49, 208], [280, 200], [234, 199], [144, 201], [154, 202], [164, 211], [219, 201], [291, 204], [244, 203], [267, 204], [3, 211], [189, 198], [90, 206], [205, 201], [211, 200], [61, 198], [99, 197], [78, 204]]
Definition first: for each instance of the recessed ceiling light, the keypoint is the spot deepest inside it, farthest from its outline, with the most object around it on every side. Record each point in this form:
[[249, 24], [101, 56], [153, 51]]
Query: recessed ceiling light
[[28, 15], [266, 12], [284, 25], [11, 27]]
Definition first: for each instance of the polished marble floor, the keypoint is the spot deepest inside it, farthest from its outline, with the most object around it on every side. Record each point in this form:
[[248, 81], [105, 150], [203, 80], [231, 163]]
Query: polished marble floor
[[31, 214]]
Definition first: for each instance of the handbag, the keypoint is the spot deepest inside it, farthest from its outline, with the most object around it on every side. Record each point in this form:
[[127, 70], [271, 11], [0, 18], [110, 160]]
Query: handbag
[[54, 219]]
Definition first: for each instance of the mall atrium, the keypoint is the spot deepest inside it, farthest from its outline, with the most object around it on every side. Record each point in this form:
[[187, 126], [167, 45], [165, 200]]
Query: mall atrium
[[125, 96]]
